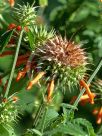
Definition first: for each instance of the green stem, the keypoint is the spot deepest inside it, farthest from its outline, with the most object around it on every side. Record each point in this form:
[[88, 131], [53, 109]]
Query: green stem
[[88, 82], [39, 112], [44, 118], [14, 65]]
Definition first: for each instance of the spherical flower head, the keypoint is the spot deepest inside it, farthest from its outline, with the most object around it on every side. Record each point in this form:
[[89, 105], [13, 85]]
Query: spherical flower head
[[62, 60]]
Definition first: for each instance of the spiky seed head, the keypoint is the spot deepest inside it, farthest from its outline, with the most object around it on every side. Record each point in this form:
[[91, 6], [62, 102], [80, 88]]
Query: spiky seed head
[[62, 60], [25, 14], [40, 34], [9, 112]]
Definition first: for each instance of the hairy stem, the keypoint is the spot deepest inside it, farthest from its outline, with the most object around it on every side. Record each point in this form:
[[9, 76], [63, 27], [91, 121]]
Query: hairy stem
[[14, 65], [44, 118], [38, 114], [88, 82]]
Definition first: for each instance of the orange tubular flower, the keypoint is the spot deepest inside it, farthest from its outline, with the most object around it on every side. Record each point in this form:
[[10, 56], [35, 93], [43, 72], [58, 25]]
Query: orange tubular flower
[[35, 80], [15, 98], [50, 90], [98, 113], [11, 2], [21, 74], [99, 116], [95, 111], [20, 62], [22, 59], [82, 83], [83, 100], [6, 53]]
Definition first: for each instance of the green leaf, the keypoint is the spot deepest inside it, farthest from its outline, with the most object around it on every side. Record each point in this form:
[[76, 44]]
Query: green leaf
[[4, 39], [43, 2], [3, 131], [6, 67], [70, 128], [76, 127], [79, 15], [31, 38], [55, 12], [34, 131], [99, 132], [63, 1], [27, 134], [85, 124], [50, 116], [6, 130], [69, 106]]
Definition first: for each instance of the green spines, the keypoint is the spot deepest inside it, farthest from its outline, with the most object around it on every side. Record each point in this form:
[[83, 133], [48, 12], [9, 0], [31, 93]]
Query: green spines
[[64, 76], [25, 14], [8, 112], [62, 60], [38, 35]]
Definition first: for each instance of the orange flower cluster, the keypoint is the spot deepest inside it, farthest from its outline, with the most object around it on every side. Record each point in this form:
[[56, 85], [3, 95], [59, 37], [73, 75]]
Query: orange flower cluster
[[35, 80], [87, 97], [50, 87], [83, 100]]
